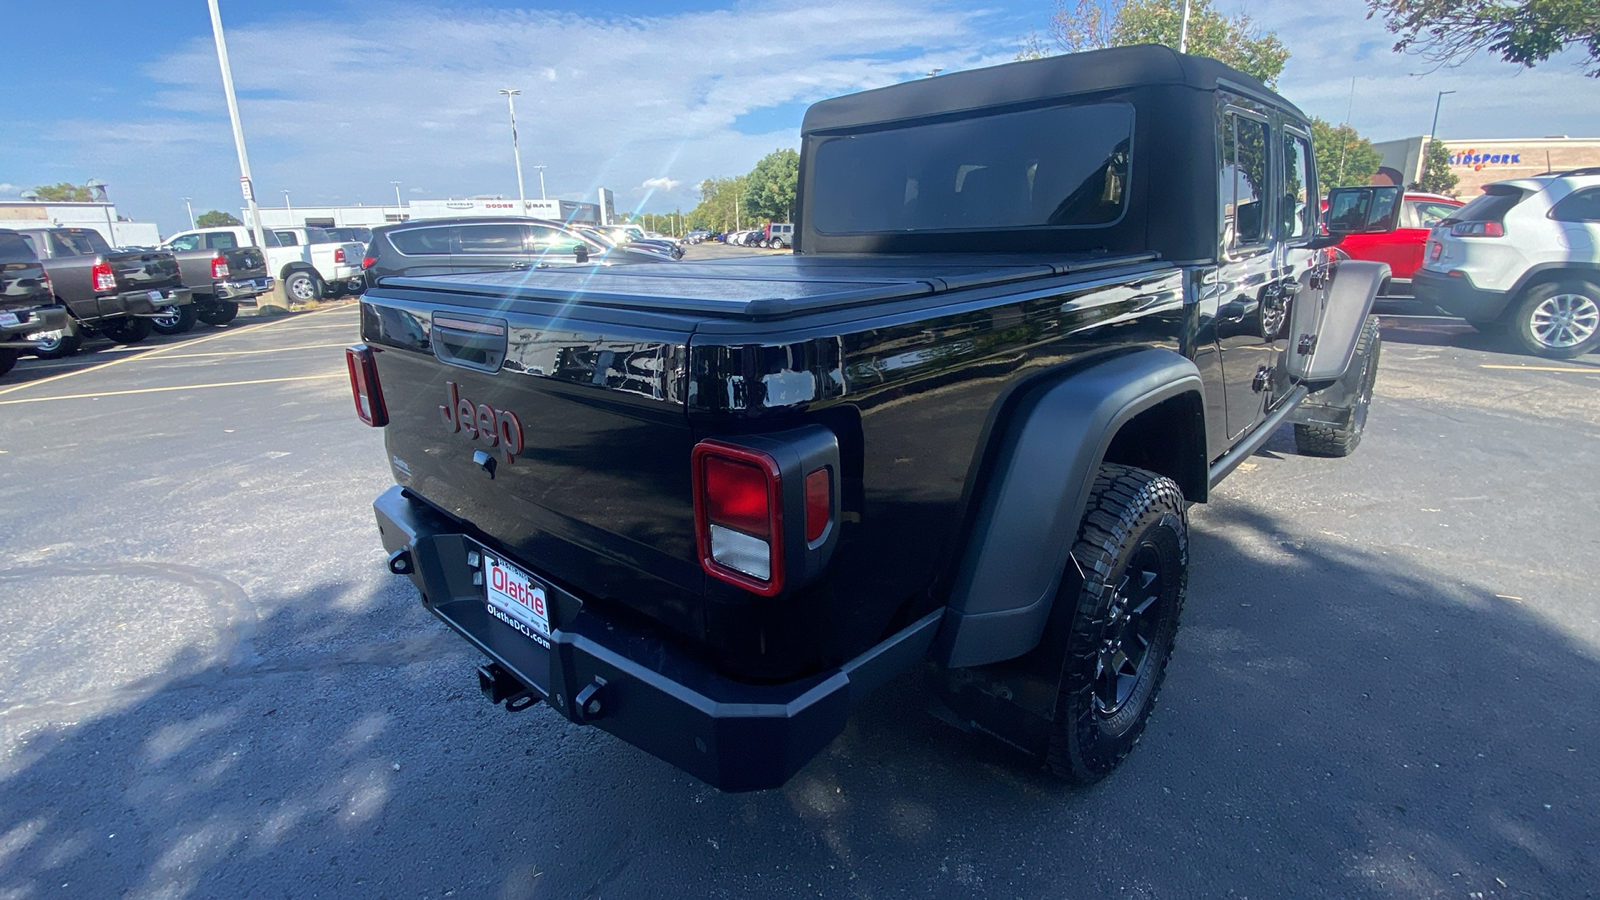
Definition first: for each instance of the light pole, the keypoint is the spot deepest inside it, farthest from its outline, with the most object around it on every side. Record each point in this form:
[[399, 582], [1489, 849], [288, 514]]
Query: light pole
[[398, 209], [238, 135], [287, 207], [1183, 30], [541, 181], [516, 154], [1434, 129], [190, 208]]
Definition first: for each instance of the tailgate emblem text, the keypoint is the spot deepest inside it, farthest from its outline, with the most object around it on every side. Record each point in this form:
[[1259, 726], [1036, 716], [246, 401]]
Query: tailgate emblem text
[[495, 427]]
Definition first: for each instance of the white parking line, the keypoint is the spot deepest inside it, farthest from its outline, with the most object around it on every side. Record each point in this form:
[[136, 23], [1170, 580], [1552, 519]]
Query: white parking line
[[156, 351], [176, 387]]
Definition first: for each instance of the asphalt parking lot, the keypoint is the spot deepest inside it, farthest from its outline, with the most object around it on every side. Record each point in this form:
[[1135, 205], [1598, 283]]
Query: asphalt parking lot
[[1385, 684]]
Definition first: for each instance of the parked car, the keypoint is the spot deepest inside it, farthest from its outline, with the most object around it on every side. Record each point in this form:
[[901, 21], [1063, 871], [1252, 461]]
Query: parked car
[[1523, 258], [108, 292], [451, 246], [220, 274], [609, 238], [778, 235], [291, 265], [338, 264], [696, 236], [1402, 249], [634, 236], [709, 508], [28, 307]]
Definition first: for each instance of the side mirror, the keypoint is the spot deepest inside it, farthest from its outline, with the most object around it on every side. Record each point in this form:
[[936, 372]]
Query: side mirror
[[581, 252], [1370, 209]]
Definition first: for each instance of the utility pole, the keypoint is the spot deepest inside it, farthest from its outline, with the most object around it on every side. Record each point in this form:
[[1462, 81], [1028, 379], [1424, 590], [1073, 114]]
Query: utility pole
[[238, 137], [187, 205], [516, 153], [1434, 128], [1183, 30], [288, 208], [541, 181]]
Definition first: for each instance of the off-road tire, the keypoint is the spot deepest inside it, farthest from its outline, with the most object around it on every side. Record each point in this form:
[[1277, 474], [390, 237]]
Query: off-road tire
[[1336, 440], [131, 330], [1535, 321], [8, 359], [179, 322], [219, 313], [1133, 550]]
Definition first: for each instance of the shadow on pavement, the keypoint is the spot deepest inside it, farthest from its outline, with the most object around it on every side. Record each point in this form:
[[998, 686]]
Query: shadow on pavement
[[1334, 725]]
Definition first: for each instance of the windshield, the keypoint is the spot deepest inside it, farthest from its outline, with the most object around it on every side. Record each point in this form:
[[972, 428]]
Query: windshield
[[1065, 166]]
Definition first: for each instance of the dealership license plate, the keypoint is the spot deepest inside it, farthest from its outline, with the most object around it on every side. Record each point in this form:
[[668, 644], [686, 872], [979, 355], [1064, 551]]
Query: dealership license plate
[[517, 598], [155, 296], [9, 320]]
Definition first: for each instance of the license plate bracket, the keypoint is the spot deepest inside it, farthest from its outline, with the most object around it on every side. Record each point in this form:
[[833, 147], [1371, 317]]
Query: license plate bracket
[[9, 320], [516, 598]]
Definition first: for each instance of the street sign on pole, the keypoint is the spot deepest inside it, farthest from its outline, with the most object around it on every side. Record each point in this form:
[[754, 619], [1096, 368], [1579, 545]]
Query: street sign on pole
[[248, 189]]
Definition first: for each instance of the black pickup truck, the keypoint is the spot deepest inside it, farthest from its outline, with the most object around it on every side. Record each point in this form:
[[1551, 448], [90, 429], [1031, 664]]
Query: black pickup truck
[[27, 302], [1034, 312], [220, 273], [111, 292]]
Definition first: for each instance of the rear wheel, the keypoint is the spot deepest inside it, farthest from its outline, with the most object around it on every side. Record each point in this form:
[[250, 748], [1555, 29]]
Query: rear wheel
[[1342, 440], [8, 358], [60, 344], [1559, 320], [1133, 549], [219, 313], [301, 286], [176, 320], [131, 330]]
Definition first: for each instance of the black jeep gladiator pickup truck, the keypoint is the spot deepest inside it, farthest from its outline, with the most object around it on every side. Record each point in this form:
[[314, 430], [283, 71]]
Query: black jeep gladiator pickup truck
[[1034, 312]]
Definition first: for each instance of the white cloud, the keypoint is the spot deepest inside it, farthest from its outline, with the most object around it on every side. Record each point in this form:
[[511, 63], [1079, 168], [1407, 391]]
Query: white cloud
[[659, 184], [8, 188]]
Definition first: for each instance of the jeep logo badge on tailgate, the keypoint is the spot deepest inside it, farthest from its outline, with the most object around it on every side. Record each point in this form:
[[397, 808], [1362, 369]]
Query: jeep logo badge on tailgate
[[496, 427]]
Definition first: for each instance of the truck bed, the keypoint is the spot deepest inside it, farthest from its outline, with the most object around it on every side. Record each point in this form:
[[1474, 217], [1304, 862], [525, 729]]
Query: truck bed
[[765, 287]]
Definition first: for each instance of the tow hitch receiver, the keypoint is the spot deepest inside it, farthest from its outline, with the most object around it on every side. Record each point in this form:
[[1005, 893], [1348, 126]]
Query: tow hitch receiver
[[500, 686]]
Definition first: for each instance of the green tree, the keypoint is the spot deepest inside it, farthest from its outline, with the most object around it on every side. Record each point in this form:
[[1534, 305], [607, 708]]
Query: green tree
[[1344, 157], [1093, 24], [717, 210], [772, 187], [1436, 175], [65, 192], [215, 218], [1523, 32]]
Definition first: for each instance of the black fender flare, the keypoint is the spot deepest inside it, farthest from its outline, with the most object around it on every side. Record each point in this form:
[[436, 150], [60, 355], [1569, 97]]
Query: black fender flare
[[1323, 348], [1029, 512]]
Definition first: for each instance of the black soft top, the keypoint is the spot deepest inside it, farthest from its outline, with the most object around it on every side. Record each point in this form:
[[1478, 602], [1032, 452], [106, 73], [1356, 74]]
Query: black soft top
[[1172, 203]]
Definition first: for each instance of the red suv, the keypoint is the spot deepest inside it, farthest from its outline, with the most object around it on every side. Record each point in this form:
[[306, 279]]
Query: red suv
[[1402, 248]]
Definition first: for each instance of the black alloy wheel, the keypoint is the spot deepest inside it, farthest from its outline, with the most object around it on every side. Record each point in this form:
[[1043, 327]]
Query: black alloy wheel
[[1133, 550]]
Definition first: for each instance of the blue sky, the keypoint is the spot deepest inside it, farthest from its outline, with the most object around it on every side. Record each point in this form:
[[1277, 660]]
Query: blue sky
[[340, 98]]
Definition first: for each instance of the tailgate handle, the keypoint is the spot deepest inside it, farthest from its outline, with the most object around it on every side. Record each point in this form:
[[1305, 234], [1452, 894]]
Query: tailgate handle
[[469, 341]]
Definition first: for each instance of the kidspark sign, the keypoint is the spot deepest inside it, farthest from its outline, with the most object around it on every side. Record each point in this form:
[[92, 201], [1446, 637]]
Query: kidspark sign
[[1478, 160]]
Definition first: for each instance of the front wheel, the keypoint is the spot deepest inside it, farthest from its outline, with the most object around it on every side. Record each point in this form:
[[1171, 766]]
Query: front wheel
[[174, 320], [220, 312], [1133, 549], [301, 287], [1559, 320], [1357, 383]]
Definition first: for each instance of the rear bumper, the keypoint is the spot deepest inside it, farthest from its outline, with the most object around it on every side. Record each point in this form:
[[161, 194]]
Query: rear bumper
[[243, 289], [32, 321], [141, 303], [1458, 296], [651, 692]]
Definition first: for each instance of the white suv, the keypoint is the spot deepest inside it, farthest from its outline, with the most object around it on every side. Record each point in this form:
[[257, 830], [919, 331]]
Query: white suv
[[1523, 257]]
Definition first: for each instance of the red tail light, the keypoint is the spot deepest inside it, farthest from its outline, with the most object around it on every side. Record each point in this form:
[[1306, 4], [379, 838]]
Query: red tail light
[[338, 254], [1478, 229], [368, 262], [219, 268], [104, 279], [819, 505], [739, 516], [364, 385]]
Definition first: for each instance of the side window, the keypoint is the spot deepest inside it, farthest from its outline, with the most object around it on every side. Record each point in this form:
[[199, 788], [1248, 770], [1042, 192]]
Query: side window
[[1244, 186], [422, 241], [491, 239], [221, 240], [546, 238], [287, 238], [1296, 210], [184, 242], [32, 247], [1427, 214], [1578, 206]]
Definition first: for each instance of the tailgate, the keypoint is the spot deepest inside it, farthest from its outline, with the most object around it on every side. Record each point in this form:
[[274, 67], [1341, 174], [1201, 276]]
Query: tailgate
[[142, 271], [245, 262], [583, 433]]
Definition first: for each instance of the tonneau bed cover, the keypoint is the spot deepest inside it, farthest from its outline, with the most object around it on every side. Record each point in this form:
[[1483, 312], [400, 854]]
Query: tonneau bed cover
[[764, 287]]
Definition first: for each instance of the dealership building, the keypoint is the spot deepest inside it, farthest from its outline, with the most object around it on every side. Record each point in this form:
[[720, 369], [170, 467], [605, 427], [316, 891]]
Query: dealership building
[[119, 231], [369, 216], [1479, 162]]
